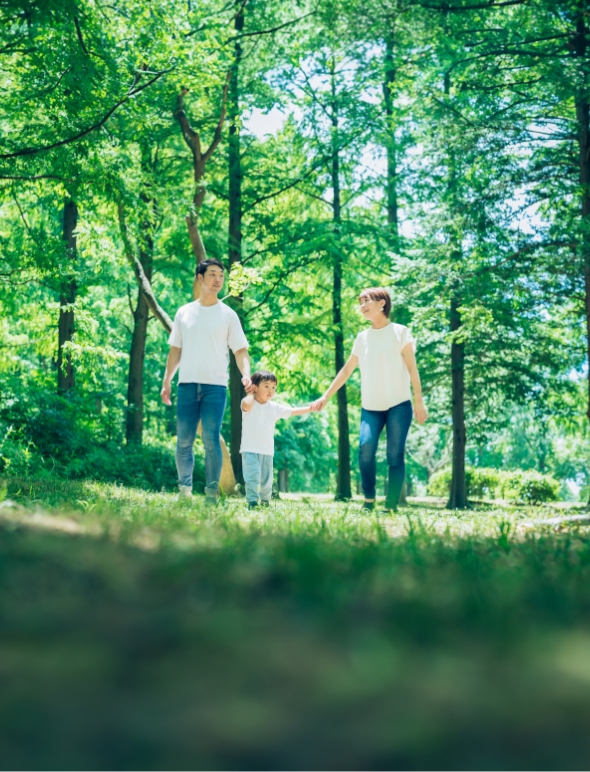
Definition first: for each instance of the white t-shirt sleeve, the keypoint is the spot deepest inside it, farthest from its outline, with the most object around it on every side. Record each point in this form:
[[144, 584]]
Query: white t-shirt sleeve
[[235, 336], [175, 338], [406, 338], [281, 411], [356, 347]]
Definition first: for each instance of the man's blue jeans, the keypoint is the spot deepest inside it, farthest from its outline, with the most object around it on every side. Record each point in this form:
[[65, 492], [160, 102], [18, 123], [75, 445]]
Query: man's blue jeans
[[199, 402], [397, 420], [257, 470]]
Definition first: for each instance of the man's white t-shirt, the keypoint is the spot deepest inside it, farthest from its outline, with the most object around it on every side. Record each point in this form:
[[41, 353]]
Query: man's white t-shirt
[[385, 380], [258, 427], [205, 333]]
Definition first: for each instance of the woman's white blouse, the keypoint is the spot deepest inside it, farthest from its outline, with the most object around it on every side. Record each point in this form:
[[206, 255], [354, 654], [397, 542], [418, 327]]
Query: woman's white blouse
[[385, 380]]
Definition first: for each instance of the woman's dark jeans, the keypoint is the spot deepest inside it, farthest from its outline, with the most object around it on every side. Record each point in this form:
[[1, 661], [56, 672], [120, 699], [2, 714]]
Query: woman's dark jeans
[[397, 420], [206, 403]]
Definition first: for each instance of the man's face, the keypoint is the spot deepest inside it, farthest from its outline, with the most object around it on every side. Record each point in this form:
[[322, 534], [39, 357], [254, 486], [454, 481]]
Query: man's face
[[212, 280], [265, 391]]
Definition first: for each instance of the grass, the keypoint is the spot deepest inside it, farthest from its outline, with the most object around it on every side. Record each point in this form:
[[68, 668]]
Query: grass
[[138, 632]]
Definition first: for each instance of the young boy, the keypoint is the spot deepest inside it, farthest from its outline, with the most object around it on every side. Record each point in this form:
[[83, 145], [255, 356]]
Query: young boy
[[259, 416]]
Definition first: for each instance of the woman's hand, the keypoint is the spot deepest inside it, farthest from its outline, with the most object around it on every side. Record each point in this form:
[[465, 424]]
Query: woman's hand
[[318, 405], [420, 411]]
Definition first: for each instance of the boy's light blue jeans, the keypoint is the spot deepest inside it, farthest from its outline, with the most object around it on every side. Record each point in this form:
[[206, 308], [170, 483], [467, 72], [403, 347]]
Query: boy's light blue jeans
[[257, 470], [199, 402]]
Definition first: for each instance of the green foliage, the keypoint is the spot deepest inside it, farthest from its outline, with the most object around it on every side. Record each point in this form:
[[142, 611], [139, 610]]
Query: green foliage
[[525, 487], [44, 435]]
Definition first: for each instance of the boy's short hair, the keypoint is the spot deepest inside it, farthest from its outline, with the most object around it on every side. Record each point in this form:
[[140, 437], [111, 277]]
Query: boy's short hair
[[204, 264], [378, 293], [263, 375]]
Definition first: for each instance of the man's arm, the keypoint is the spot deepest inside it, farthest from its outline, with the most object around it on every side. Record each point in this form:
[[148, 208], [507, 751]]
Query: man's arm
[[410, 359], [247, 403], [243, 363], [171, 367]]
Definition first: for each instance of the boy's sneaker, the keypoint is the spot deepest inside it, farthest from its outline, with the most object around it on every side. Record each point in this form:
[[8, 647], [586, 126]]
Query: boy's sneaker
[[253, 505], [265, 503], [185, 493], [211, 501]]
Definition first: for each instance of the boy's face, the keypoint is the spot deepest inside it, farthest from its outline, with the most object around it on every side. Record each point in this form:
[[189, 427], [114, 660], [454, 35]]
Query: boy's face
[[265, 391]]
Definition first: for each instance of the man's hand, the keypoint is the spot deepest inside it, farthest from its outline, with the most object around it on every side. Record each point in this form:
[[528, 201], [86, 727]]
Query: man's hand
[[319, 404], [420, 411], [165, 393], [247, 384]]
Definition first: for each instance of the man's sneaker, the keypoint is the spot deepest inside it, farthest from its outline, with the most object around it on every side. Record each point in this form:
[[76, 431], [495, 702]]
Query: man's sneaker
[[265, 503], [185, 493], [211, 501], [253, 505], [369, 505]]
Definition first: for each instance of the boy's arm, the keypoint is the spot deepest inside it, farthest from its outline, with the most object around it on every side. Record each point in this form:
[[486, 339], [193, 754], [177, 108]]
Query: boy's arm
[[301, 410], [247, 403]]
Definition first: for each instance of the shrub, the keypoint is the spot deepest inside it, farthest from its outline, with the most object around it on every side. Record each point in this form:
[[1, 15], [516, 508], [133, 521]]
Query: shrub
[[527, 487], [42, 435]]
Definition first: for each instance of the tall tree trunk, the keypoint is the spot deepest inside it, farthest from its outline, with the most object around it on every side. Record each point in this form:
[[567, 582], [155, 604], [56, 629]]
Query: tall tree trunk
[[343, 488], [391, 182], [583, 119], [134, 422], [236, 390], [388, 84], [458, 497], [65, 369]]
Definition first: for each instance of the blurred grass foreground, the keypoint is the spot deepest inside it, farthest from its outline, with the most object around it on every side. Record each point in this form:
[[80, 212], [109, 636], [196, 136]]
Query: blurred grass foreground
[[138, 633]]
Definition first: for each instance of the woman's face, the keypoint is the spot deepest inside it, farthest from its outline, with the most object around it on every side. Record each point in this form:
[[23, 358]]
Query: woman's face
[[372, 310]]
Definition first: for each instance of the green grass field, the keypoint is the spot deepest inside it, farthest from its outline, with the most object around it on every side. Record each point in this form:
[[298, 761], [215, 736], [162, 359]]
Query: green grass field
[[141, 633]]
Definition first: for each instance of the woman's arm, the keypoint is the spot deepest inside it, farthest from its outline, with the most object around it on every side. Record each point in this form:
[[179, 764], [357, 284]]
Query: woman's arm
[[337, 383], [410, 359]]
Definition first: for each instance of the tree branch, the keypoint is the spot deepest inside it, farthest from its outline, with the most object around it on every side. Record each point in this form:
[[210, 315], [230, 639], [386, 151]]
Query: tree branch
[[142, 279], [133, 90]]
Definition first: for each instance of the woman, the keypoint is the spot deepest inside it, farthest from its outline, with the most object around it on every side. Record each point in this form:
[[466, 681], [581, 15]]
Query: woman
[[385, 353]]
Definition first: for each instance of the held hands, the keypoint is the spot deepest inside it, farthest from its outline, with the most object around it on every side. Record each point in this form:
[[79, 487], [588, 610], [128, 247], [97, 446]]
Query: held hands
[[318, 405], [420, 411], [247, 384]]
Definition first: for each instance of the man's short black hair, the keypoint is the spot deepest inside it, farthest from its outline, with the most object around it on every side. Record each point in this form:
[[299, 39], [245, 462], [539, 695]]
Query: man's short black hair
[[263, 375], [204, 264]]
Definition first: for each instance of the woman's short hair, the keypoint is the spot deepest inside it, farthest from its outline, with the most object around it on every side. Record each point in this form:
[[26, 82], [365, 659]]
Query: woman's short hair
[[263, 375], [378, 293]]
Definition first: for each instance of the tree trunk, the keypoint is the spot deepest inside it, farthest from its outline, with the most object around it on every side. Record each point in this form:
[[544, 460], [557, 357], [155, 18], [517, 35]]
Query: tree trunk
[[65, 369], [236, 390], [391, 182], [583, 119], [388, 83], [458, 497], [134, 422], [283, 480], [343, 487]]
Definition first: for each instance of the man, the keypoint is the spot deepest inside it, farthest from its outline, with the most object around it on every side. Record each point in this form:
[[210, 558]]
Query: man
[[202, 333]]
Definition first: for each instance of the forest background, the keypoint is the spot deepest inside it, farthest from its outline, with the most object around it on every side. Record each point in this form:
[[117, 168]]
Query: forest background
[[441, 149]]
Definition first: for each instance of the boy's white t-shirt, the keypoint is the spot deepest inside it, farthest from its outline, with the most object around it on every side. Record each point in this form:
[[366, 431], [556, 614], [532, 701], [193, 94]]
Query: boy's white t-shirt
[[385, 379], [205, 333], [258, 427]]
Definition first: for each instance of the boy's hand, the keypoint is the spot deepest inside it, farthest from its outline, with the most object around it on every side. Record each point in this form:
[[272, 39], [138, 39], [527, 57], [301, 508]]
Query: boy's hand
[[165, 393], [319, 404]]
